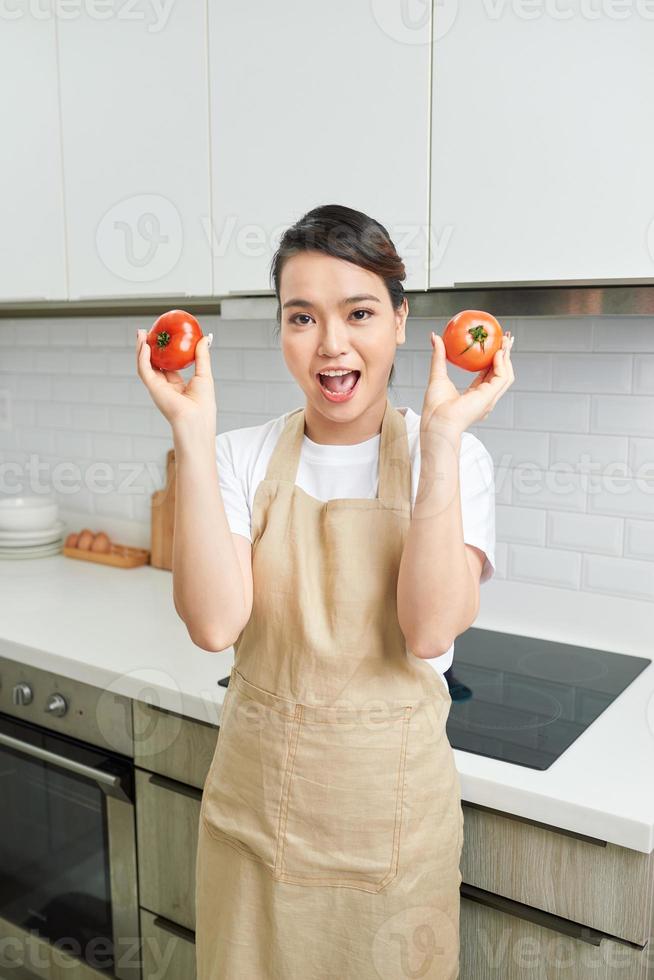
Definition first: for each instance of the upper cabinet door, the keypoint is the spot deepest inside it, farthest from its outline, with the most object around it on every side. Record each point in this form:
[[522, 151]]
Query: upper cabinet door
[[136, 148], [541, 143], [32, 243], [316, 103]]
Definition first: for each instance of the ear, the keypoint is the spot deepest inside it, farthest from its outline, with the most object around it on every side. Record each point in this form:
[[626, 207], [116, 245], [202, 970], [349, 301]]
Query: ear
[[400, 321]]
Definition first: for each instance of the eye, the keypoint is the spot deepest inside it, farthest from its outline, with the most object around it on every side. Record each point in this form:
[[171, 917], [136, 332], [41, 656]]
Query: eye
[[369, 312], [293, 319]]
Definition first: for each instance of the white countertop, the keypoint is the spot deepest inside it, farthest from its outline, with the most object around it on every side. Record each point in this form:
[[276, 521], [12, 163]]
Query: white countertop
[[118, 628]]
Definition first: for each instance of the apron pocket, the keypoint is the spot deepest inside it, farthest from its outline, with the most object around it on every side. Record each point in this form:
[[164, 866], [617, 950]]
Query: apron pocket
[[342, 800], [241, 800]]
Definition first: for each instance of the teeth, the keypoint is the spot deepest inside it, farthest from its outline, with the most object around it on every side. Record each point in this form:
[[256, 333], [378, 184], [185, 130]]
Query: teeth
[[333, 374]]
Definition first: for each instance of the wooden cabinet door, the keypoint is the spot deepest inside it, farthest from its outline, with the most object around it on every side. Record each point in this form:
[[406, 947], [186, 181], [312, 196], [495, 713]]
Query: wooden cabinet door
[[497, 944], [316, 104], [539, 149], [167, 822], [134, 101], [32, 242], [168, 950]]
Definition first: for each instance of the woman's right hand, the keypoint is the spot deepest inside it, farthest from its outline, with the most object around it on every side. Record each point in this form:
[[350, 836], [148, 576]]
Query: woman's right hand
[[185, 404]]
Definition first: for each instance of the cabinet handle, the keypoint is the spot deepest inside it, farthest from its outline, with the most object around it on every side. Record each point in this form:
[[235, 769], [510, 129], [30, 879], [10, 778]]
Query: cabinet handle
[[174, 929], [556, 923], [536, 823], [174, 786]]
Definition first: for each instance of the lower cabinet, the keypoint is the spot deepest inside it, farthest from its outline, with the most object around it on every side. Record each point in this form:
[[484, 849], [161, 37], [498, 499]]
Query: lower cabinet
[[167, 824], [497, 942], [168, 950]]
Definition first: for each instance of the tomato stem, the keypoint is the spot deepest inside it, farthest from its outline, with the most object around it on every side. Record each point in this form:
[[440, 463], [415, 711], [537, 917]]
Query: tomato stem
[[479, 335], [163, 339]]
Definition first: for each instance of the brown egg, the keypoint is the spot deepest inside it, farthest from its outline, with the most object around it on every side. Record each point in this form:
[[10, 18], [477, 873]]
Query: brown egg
[[101, 543], [85, 539], [71, 540]]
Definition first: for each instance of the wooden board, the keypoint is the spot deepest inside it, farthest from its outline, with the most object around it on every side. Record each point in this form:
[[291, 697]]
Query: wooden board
[[163, 519], [120, 555]]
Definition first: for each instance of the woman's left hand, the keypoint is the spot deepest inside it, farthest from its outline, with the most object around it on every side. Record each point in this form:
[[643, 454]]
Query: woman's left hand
[[443, 406]]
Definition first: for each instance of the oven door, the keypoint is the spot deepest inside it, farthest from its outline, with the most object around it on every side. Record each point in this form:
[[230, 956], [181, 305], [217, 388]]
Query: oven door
[[67, 847]]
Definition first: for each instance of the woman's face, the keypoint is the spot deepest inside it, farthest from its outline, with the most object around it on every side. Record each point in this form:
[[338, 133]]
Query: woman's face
[[325, 321]]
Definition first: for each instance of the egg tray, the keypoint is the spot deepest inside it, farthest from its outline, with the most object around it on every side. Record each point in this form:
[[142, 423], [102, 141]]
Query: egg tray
[[119, 555]]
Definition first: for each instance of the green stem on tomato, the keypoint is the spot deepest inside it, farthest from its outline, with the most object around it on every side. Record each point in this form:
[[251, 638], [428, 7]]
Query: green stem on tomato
[[479, 335]]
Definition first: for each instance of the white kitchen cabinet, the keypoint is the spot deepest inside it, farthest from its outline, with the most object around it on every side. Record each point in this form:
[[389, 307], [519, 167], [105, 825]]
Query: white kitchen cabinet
[[541, 147], [134, 98], [316, 104], [32, 245]]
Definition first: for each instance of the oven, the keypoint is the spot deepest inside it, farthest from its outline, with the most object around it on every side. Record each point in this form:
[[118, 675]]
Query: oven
[[68, 880]]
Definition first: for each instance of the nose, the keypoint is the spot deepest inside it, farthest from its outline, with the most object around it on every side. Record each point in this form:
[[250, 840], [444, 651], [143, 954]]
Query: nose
[[333, 338]]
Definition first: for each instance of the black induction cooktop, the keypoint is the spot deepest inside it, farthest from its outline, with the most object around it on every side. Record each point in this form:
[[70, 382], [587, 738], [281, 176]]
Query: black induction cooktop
[[525, 700]]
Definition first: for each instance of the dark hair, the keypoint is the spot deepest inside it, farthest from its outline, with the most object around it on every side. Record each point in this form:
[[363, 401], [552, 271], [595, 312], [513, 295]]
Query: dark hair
[[345, 234]]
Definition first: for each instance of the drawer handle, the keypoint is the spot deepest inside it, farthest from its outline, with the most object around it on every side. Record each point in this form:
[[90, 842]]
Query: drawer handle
[[174, 929], [174, 786], [536, 823], [557, 923]]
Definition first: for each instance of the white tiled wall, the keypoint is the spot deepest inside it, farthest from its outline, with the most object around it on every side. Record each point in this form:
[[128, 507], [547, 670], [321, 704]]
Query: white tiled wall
[[572, 441]]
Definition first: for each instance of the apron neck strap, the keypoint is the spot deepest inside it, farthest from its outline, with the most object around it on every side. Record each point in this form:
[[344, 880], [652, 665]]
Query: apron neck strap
[[394, 457]]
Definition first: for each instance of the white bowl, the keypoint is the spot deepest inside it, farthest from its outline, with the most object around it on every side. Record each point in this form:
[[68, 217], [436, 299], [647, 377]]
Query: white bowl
[[27, 513]]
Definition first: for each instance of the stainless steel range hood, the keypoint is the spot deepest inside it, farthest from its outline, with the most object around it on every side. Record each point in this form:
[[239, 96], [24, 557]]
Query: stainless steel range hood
[[615, 298]]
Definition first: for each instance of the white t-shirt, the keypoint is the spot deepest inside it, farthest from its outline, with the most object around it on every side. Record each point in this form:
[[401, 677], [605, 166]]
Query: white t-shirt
[[327, 472]]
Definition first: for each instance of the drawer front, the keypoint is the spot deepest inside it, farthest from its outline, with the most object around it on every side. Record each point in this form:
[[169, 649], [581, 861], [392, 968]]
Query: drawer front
[[167, 822], [178, 747], [496, 945], [168, 951], [601, 885]]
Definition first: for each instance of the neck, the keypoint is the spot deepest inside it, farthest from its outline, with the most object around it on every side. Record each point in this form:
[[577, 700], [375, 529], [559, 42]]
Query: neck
[[344, 431]]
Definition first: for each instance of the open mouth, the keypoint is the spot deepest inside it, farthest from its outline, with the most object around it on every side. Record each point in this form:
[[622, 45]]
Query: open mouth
[[339, 388]]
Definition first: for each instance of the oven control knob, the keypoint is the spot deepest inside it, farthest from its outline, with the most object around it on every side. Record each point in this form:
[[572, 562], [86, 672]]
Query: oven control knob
[[56, 705], [21, 694]]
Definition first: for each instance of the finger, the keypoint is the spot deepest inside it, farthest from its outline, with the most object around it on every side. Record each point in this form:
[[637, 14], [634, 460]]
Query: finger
[[175, 378], [147, 373], [438, 366], [202, 357]]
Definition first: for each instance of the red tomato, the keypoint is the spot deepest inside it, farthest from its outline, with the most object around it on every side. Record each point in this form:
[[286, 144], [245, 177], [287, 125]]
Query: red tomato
[[471, 338], [172, 339]]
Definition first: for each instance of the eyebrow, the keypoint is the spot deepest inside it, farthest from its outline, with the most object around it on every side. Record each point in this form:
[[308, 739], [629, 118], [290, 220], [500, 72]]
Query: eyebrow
[[297, 301]]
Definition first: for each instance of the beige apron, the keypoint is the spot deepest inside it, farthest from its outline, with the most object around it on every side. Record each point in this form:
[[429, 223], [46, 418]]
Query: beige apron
[[331, 825]]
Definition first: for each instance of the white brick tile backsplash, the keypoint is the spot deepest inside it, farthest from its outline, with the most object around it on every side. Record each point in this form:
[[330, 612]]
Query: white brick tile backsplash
[[641, 457], [533, 372], [624, 414], [262, 366], [633, 334], [639, 539], [619, 576], [520, 525], [90, 418], [551, 412], [594, 451], [553, 334], [584, 388], [644, 374], [69, 389], [618, 496], [515, 448], [549, 489], [601, 372], [72, 333], [585, 533], [544, 566]]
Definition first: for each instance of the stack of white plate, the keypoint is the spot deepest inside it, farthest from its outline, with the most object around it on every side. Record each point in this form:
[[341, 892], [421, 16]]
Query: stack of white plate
[[30, 527]]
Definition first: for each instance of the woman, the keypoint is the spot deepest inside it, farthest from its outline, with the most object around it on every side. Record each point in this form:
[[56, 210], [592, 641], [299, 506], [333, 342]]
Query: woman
[[328, 547]]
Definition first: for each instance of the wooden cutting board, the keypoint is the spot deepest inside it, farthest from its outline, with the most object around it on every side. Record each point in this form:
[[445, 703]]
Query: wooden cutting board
[[163, 518]]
